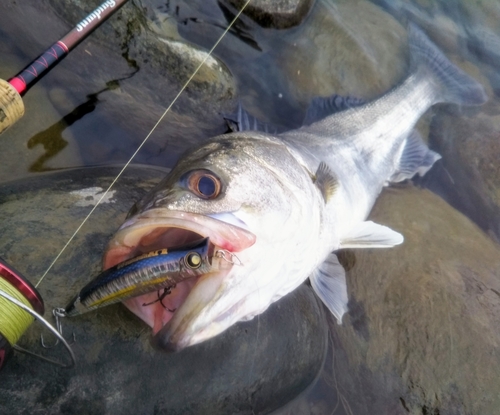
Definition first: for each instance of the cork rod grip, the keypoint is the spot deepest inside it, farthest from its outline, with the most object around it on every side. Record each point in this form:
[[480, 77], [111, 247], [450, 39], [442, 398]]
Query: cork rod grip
[[11, 105]]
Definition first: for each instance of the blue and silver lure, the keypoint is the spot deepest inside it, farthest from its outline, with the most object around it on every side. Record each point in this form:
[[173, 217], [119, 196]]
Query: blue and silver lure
[[160, 269]]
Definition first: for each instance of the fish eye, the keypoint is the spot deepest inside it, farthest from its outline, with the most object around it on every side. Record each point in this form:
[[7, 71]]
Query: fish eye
[[204, 184], [193, 260]]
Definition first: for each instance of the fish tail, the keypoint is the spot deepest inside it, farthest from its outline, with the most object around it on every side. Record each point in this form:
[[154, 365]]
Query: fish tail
[[453, 84]]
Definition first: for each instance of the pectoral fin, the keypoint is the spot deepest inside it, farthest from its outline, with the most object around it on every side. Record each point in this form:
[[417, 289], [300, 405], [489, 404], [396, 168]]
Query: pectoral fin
[[325, 181], [370, 235], [328, 282]]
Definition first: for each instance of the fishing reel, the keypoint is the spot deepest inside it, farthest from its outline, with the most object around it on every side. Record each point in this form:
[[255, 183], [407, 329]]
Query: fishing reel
[[20, 304]]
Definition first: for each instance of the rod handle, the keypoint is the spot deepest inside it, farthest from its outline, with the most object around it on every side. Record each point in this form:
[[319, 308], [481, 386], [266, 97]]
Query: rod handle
[[11, 105]]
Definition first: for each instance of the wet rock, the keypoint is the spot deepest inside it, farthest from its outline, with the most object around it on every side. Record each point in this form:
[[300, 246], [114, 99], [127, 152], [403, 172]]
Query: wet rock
[[422, 332], [275, 14], [252, 368]]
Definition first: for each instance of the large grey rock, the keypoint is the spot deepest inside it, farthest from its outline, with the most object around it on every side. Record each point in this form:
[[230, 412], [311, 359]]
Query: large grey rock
[[422, 332], [253, 368]]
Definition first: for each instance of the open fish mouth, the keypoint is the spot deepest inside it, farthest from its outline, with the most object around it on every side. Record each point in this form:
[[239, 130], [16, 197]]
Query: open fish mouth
[[163, 229]]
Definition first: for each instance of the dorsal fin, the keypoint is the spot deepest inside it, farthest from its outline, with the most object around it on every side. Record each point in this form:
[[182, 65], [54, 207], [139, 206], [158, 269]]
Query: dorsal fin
[[242, 120], [321, 107], [326, 182]]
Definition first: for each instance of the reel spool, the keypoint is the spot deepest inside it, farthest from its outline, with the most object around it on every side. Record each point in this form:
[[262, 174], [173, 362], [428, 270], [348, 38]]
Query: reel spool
[[20, 305]]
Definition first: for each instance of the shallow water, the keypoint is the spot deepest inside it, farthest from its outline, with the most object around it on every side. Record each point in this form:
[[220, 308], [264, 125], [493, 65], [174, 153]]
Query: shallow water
[[350, 48]]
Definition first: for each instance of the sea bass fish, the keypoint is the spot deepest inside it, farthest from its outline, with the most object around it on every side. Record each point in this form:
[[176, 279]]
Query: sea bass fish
[[282, 204]]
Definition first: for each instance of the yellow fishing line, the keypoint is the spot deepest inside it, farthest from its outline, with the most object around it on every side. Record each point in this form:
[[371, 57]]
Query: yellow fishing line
[[14, 321]]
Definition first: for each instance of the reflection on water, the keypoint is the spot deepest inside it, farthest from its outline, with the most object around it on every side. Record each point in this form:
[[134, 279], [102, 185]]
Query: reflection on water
[[52, 138], [356, 49]]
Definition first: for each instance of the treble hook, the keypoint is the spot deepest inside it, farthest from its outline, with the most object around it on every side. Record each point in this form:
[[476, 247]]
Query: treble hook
[[58, 314], [228, 257], [166, 291]]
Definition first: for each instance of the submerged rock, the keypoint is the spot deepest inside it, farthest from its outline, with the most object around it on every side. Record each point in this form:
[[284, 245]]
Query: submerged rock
[[470, 175], [422, 332], [275, 14], [348, 48], [252, 368], [149, 43]]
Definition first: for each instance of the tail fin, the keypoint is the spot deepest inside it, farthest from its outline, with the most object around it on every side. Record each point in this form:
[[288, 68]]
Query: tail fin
[[456, 86]]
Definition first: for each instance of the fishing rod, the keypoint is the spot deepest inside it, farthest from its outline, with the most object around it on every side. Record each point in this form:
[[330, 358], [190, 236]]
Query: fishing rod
[[11, 91]]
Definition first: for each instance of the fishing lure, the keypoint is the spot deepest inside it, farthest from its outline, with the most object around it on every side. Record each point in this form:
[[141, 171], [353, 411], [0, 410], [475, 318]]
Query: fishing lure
[[156, 270]]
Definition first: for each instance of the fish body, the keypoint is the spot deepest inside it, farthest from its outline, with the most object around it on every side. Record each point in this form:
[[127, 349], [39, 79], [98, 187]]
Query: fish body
[[150, 272], [283, 203]]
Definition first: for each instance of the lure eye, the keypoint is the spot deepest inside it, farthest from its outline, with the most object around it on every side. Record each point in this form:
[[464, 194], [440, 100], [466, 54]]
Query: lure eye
[[193, 260], [204, 184]]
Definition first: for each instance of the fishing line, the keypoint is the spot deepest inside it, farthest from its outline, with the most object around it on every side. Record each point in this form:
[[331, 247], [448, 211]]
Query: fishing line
[[142, 144], [14, 321], [20, 304]]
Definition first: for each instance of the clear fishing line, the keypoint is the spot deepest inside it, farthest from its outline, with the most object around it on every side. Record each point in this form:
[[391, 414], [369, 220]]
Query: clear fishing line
[[142, 144]]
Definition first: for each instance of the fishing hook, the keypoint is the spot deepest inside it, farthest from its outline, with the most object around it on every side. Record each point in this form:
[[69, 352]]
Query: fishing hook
[[58, 314], [228, 257]]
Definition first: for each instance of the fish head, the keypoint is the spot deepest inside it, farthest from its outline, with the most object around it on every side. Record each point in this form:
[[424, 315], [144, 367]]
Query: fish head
[[248, 195]]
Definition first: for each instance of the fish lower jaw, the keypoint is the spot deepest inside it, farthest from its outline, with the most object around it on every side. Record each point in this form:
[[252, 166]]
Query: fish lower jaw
[[159, 314]]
